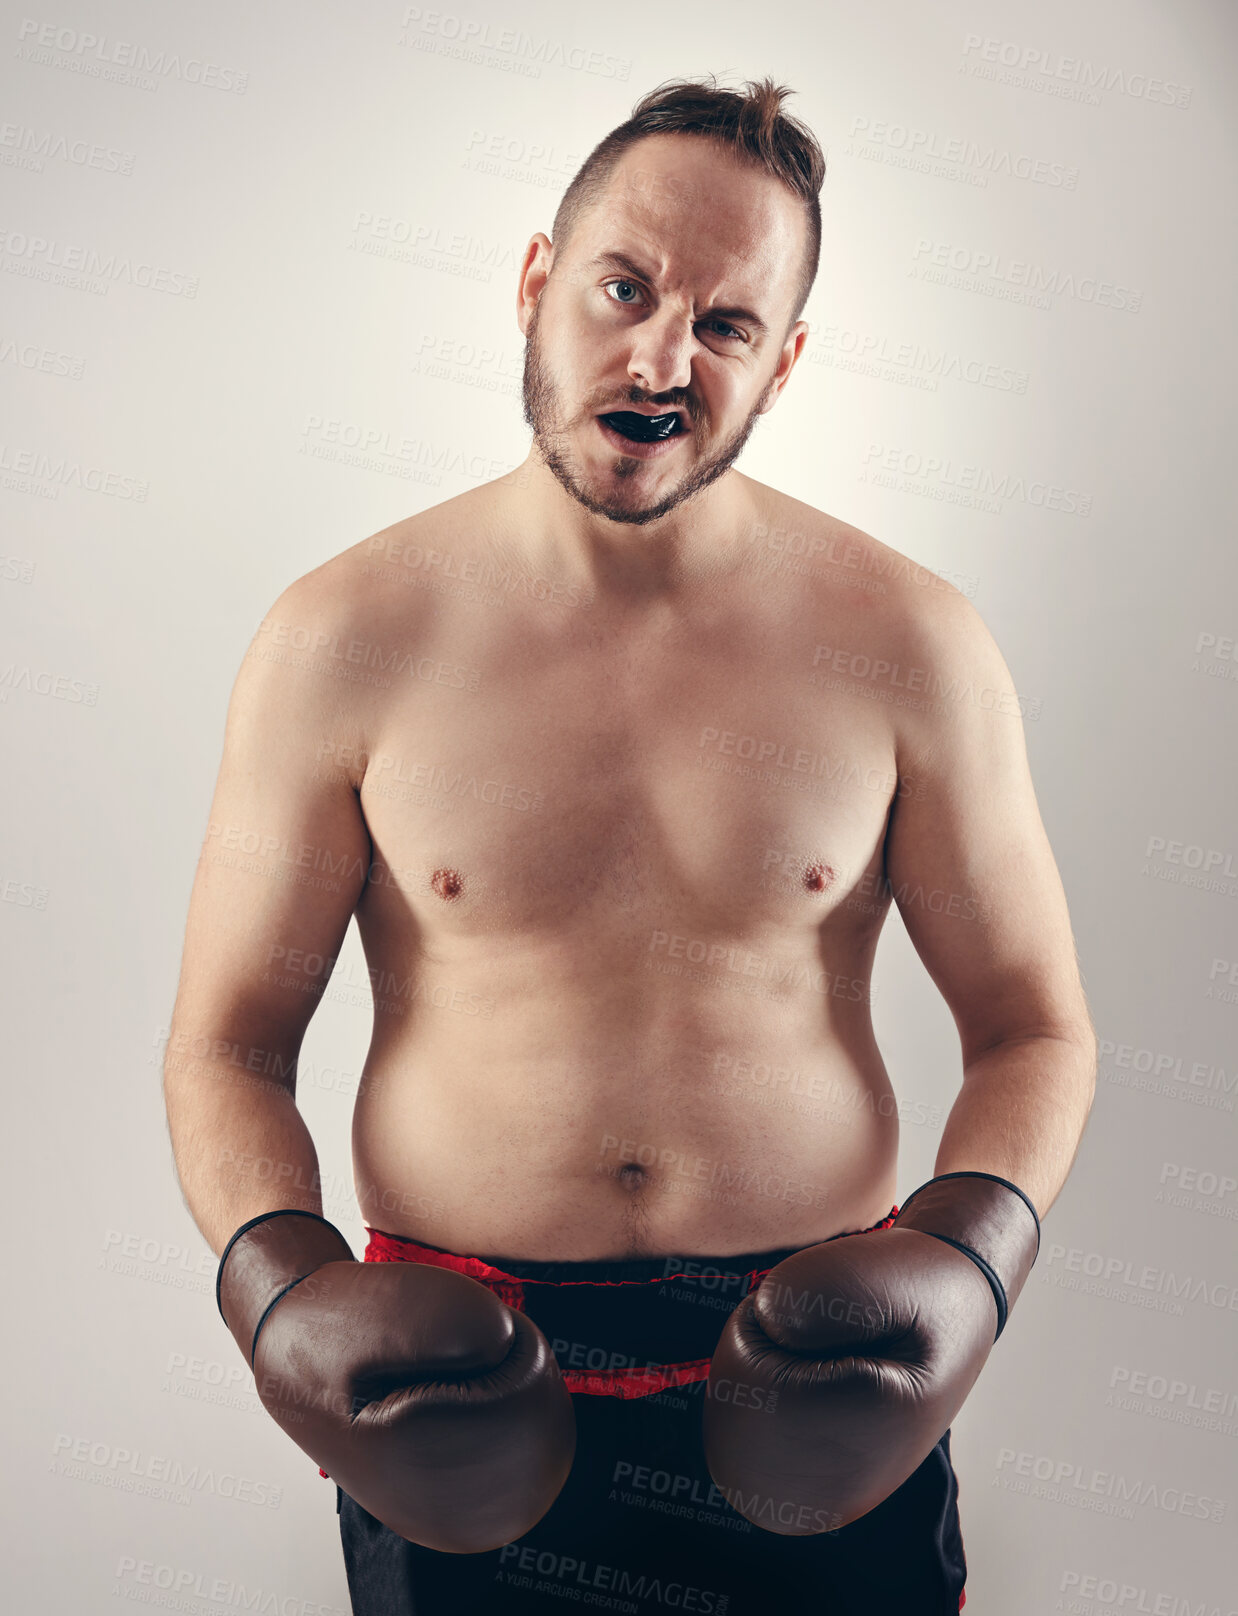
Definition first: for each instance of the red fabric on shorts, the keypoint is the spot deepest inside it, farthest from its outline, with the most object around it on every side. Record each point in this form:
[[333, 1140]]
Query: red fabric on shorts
[[635, 1382]]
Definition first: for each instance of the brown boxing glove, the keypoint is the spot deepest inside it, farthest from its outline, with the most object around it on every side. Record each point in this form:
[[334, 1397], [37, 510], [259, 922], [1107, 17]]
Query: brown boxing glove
[[438, 1408], [834, 1379]]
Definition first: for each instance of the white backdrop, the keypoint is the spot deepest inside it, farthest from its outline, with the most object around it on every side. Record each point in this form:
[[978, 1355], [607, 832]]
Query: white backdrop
[[258, 273]]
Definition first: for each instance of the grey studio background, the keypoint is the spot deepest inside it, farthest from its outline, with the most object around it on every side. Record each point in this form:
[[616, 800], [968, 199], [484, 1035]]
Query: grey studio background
[[259, 284]]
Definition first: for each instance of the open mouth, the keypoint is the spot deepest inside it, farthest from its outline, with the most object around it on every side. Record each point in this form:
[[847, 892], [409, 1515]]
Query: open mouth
[[644, 428]]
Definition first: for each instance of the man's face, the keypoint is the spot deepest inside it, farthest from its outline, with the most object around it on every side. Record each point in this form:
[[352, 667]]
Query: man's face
[[708, 254]]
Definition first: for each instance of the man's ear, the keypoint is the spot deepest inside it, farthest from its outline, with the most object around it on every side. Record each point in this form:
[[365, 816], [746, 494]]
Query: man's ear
[[786, 363], [535, 270]]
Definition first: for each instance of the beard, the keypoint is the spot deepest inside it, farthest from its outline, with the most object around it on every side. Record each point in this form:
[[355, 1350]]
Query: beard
[[619, 499]]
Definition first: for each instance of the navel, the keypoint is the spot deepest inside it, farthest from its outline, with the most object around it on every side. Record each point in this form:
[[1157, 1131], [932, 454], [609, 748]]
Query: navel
[[448, 884]]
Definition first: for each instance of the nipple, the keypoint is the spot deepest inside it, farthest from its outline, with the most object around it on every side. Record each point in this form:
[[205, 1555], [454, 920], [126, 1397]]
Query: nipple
[[448, 884], [817, 877]]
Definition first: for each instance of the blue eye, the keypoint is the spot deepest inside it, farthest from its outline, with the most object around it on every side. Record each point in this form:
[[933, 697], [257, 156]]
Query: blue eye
[[728, 332]]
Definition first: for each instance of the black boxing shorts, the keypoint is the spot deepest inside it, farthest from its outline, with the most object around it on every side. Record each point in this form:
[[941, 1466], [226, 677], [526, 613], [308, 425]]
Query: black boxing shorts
[[640, 1528]]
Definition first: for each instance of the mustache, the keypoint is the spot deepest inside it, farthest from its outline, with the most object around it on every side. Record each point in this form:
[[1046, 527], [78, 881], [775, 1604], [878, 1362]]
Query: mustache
[[651, 403]]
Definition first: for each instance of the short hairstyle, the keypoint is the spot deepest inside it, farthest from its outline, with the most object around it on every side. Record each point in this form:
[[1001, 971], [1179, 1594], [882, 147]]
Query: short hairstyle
[[750, 124]]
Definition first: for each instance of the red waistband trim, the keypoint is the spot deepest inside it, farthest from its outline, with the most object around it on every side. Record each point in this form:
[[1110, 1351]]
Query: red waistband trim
[[633, 1382], [384, 1247]]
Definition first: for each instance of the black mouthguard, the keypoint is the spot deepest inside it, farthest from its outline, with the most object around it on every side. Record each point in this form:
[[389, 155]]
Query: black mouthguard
[[644, 428]]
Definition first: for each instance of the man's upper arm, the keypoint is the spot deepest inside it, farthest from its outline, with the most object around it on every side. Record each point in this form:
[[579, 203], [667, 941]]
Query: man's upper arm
[[286, 853], [966, 853]]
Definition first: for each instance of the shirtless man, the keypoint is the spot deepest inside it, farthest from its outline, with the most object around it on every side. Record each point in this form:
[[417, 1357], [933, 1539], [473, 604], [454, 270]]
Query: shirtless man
[[620, 796]]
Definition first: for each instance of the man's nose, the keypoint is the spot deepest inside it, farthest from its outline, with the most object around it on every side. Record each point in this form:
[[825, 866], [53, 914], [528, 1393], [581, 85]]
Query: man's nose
[[661, 354]]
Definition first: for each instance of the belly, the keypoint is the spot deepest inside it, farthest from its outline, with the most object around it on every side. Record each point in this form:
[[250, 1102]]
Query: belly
[[538, 1107]]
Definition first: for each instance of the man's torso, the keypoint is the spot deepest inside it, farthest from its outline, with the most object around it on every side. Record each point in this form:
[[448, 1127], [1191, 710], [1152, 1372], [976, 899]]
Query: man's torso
[[626, 891]]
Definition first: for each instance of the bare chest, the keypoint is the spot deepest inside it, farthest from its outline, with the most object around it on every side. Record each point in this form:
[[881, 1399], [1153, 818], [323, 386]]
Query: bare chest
[[676, 773]]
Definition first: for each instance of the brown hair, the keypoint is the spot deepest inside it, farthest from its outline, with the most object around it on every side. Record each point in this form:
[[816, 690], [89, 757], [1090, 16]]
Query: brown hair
[[751, 125]]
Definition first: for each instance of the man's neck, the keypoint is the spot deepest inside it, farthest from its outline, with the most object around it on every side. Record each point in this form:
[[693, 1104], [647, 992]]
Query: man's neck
[[704, 537]]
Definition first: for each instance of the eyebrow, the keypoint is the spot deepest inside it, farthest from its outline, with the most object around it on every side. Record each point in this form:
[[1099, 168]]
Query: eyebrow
[[618, 260]]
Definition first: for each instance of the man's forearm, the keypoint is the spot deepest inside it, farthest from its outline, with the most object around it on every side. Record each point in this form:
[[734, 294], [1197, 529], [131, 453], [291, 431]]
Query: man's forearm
[[241, 1146], [1021, 1113]]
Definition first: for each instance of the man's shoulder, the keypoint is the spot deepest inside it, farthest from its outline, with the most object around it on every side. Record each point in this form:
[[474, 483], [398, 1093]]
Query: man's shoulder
[[385, 581], [845, 565], [317, 669], [935, 649]]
